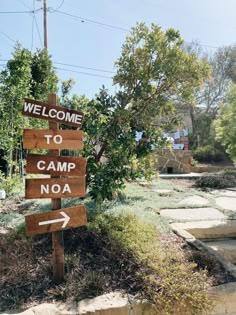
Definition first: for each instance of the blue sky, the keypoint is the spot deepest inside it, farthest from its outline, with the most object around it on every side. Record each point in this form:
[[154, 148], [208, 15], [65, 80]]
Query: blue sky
[[90, 33]]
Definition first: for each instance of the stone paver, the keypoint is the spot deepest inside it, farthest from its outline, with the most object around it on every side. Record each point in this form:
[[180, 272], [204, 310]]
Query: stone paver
[[194, 200], [225, 193], [227, 203], [193, 214]]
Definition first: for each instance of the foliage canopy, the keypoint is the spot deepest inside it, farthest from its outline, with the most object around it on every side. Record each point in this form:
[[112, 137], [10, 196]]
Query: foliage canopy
[[225, 123]]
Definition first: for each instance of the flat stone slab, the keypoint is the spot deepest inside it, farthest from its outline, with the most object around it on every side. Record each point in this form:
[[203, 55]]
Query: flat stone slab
[[225, 248], [227, 203], [195, 201], [207, 229], [193, 214], [225, 193]]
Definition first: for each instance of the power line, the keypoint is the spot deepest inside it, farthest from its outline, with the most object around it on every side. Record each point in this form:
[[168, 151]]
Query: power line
[[19, 12], [68, 70], [36, 23], [24, 4], [15, 12], [8, 37], [76, 66], [86, 73], [56, 8], [81, 19], [32, 31], [39, 35], [81, 67]]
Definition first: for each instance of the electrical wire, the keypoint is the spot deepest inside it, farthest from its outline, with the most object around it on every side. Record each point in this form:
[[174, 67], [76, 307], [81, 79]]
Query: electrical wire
[[76, 66], [81, 67], [86, 73], [24, 4], [8, 37], [81, 19], [36, 23], [52, 10], [14, 12], [37, 27], [32, 32]]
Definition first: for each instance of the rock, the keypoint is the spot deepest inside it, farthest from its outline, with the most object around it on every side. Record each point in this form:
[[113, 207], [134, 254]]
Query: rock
[[227, 203], [194, 201], [193, 214]]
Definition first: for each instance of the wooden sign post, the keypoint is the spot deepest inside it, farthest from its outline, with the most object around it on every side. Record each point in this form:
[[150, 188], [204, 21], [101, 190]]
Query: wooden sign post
[[55, 165], [57, 237]]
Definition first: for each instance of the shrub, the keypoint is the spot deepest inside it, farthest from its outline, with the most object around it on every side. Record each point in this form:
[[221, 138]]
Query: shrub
[[220, 180], [208, 153], [12, 185]]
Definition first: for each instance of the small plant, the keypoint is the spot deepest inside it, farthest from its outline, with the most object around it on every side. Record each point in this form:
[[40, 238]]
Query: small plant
[[220, 180], [208, 154], [12, 185]]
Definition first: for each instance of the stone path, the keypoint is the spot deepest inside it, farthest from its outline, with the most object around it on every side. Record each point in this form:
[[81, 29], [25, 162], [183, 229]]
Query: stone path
[[195, 208], [227, 203], [194, 200], [193, 214]]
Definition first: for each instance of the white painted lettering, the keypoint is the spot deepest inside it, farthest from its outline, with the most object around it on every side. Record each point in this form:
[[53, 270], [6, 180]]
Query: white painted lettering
[[61, 166], [57, 139], [44, 112], [48, 137], [51, 166], [66, 189], [70, 117], [78, 119], [56, 188], [60, 115], [71, 166], [28, 107], [52, 113], [41, 165], [44, 189], [37, 109]]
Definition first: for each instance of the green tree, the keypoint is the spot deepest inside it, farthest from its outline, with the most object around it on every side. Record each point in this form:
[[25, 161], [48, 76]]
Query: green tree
[[14, 86], [44, 78], [26, 75], [213, 91], [155, 73], [113, 155], [225, 123]]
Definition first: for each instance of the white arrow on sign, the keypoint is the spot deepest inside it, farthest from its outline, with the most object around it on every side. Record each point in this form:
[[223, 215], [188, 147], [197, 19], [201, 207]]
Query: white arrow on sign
[[66, 219]]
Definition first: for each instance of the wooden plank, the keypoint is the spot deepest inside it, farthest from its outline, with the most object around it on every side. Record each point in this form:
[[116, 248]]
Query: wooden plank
[[52, 112], [56, 220], [54, 187], [55, 165], [52, 139]]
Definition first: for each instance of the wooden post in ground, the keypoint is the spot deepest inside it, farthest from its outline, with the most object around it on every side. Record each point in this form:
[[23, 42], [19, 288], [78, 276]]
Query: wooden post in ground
[[57, 237]]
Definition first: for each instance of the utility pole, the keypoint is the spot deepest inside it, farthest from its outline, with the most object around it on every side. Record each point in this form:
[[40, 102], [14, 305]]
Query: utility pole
[[45, 23], [57, 237]]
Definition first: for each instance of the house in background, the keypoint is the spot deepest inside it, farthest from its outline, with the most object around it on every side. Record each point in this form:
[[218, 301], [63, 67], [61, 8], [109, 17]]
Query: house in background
[[178, 158]]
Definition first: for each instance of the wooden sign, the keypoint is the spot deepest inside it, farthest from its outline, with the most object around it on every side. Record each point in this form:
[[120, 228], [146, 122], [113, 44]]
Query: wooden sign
[[46, 111], [55, 165], [56, 220], [54, 187], [52, 139]]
